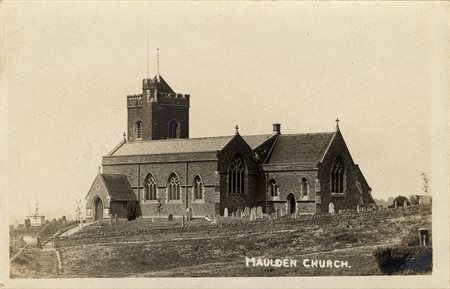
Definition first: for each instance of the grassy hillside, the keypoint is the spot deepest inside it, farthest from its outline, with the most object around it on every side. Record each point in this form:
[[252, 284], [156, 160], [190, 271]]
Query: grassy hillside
[[145, 249]]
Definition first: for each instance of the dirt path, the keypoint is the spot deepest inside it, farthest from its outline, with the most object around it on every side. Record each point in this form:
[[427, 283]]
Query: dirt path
[[36, 263]]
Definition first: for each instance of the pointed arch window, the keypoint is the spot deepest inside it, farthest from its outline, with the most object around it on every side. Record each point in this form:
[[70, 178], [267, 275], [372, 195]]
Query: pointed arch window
[[304, 188], [198, 188], [337, 176], [273, 188], [173, 187], [236, 175], [174, 129], [138, 130], [150, 188]]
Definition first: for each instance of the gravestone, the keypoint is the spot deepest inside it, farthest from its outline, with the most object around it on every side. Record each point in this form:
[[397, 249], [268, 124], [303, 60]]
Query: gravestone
[[395, 204], [233, 214], [182, 222], [259, 213], [170, 218], [239, 213], [188, 214], [358, 208], [246, 211], [270, 217], [225, 212], [331, 208], [424, 237], [405, 203], [115, 218]]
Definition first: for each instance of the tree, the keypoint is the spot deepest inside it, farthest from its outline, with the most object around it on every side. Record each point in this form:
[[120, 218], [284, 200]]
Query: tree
[[78, 211], [426, 180], [414, 200], [131, 210]]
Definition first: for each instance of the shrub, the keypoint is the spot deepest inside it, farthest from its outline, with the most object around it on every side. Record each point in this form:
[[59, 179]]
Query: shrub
[[404, 259], [131, 210], [348, 237]]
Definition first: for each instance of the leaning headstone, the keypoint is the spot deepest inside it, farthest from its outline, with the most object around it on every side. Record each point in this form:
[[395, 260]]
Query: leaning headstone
[[225, 212], [259, 213], [246, 211], [239, 213], [170, 218]]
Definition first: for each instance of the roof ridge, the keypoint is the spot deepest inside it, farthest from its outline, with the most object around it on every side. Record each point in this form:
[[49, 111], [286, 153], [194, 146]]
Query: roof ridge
[[307, 133]]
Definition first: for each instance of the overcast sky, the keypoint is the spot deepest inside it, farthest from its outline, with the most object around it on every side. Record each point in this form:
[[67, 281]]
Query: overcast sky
[[68, 67]]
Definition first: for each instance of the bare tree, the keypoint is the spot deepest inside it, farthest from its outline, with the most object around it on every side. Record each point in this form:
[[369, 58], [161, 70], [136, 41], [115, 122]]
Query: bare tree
[[426, 180], [78, 211]]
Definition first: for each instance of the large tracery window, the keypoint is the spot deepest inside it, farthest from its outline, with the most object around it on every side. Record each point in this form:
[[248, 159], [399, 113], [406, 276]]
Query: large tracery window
[[173, 187], [236, 175], [138, 130], [150, 187], [273, 188], [337, 176], [198, 188]]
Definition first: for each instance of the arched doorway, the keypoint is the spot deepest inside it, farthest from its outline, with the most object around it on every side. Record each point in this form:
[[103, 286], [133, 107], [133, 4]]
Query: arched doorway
[[291, 204], [98, 209]]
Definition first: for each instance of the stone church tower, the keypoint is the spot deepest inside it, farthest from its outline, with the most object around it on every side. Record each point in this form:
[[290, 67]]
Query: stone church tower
[[157, 113]]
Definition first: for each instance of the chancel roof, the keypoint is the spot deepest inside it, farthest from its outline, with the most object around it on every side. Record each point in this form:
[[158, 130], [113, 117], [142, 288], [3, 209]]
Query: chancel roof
[[184, 145], [300, 148]]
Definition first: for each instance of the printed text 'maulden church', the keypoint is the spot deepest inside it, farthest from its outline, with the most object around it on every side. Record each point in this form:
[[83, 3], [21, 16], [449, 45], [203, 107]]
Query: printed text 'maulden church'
[[158, 166]]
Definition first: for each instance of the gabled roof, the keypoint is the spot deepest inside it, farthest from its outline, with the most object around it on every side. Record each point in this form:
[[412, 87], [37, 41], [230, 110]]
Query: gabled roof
[[184, 145], [300, 148], [118, 187]]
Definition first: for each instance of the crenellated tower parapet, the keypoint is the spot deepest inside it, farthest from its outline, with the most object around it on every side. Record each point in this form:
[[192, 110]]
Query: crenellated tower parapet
[[158, 112]]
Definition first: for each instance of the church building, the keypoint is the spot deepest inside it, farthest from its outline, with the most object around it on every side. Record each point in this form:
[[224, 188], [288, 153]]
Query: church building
[[165, 172]]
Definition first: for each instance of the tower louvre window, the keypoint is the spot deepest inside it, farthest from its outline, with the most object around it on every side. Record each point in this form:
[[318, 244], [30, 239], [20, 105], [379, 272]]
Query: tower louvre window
[[174, 129], [138, 130], [236, 175]]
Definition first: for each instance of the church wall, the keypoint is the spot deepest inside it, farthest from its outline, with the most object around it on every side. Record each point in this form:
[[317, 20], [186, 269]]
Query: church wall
[[119, 208], [249, 198], [136, 174], [350, 197], [290, 182]]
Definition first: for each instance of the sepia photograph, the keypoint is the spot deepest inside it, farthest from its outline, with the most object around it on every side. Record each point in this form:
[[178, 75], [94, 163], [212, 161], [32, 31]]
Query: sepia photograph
[[247, 144]]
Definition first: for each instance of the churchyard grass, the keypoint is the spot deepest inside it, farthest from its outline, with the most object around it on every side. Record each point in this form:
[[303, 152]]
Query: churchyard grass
[[143, 248]]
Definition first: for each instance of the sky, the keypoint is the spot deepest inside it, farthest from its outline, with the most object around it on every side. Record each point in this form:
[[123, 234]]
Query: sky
[[68, 66]]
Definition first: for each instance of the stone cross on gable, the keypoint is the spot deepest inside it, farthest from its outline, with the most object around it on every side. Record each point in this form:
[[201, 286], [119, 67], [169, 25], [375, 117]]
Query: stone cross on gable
[[237, 129]]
